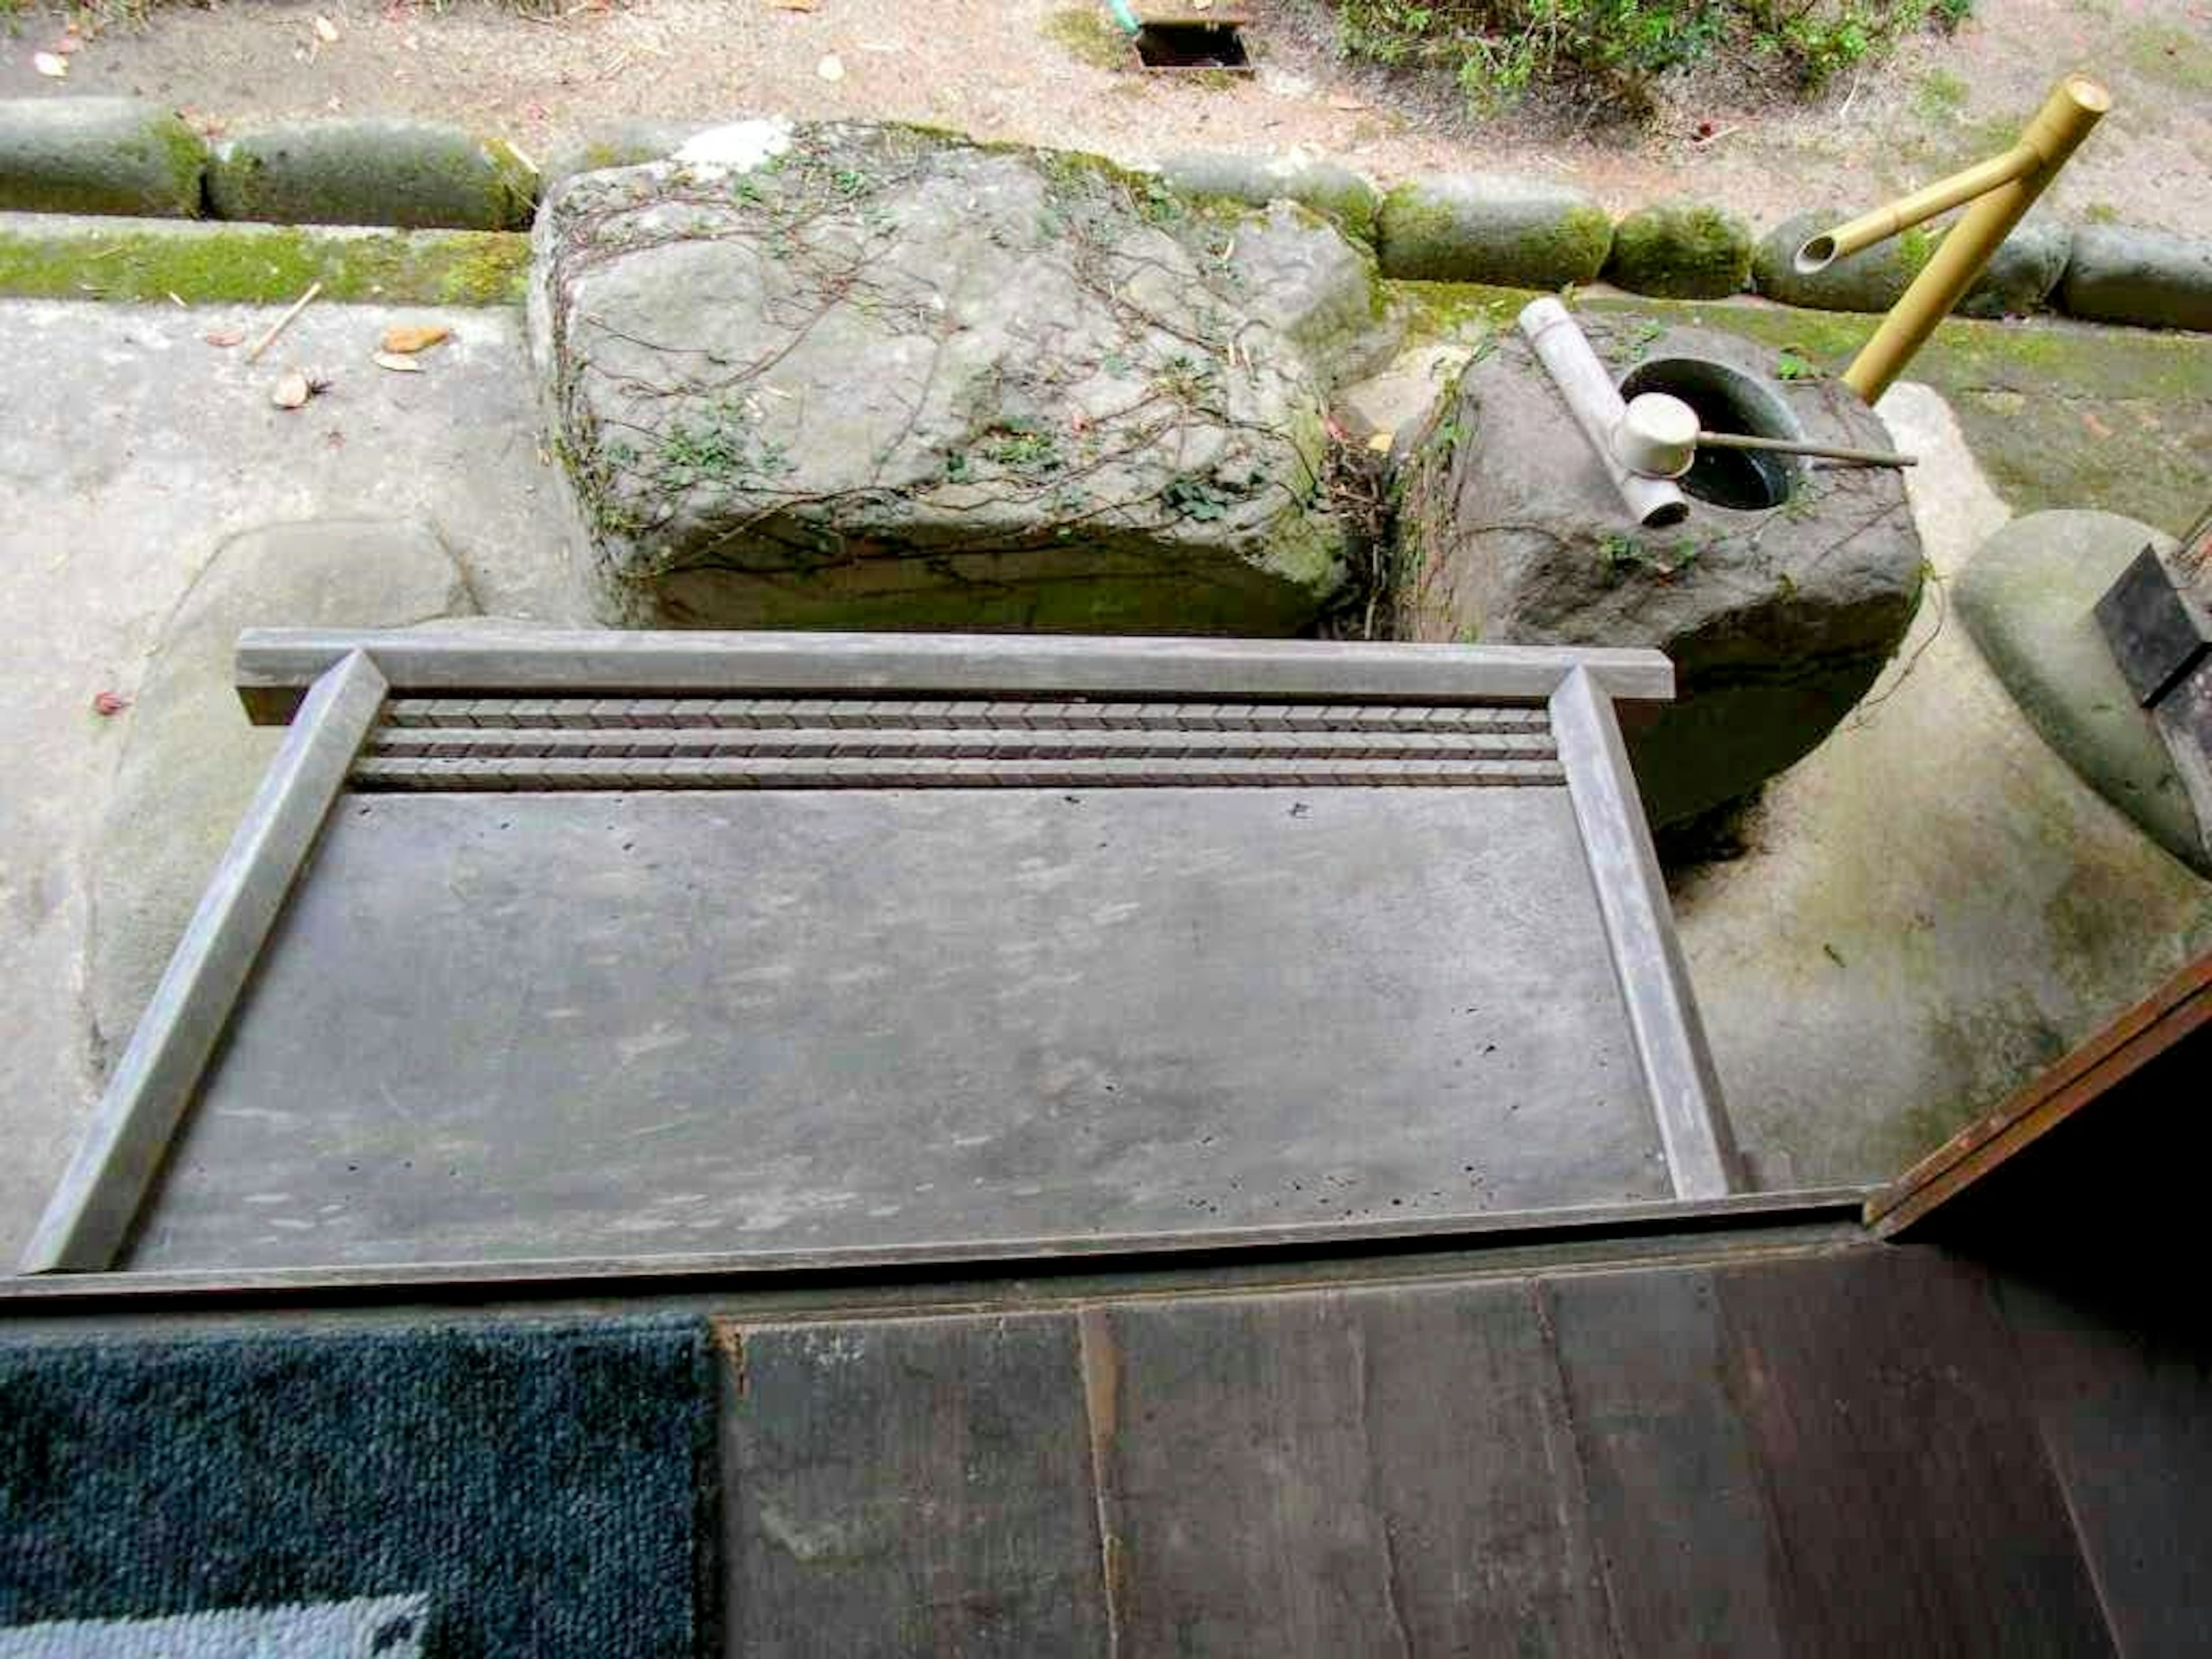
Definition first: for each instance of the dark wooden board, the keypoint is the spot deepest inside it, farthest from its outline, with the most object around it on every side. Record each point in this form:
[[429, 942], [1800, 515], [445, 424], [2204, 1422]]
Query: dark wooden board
[[1375, 1471], [2126, 1414], [1913, 1507], [910, 1487], [1677, 1505]]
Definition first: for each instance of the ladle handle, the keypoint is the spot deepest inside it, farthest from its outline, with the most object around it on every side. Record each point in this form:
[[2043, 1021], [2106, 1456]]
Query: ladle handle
[[1792, 446]]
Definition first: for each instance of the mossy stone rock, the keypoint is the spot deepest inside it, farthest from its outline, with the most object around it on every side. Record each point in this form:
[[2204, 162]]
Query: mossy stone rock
[[413, 175], [1681, 251], [2027, 599], [1314, 287], [1492, 227], [1335, 191], [877, 376], [2020, 277], [99, 156], [1778, 619], [2121, 275]]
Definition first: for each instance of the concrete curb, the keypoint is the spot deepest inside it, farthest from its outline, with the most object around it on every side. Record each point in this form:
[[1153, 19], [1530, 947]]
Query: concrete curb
[[99, 156], [1492, 227], [1329, 188], [1680, 251], [103, 155], [2118, 275], [413, 175], [2020, 279]]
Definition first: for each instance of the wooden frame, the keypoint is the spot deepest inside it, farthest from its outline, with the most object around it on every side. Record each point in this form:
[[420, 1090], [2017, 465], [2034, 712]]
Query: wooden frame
[[332, 686], [2181, 1005]]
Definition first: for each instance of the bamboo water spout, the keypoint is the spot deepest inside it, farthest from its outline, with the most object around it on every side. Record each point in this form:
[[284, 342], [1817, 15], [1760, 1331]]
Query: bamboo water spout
[[2001, 189]]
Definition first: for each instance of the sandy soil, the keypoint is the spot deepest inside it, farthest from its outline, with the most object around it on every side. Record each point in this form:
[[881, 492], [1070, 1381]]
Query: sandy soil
[[992, 68]]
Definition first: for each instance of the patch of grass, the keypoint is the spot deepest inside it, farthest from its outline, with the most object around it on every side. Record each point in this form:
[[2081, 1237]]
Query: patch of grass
[[1500, 51], [1024, 449], [1089, 36], [1619, 557], [2101, 213], [1939, 95]]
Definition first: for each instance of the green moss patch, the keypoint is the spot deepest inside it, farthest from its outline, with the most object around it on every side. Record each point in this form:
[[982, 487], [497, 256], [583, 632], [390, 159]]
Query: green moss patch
[[264, 265], [1682, 252], [1087, 35]]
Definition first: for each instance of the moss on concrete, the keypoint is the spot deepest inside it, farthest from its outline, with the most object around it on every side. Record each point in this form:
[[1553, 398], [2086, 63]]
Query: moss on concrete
[[260, 264], [1085, 34], [2059, 414], [1682, 252], [99, 156], [1456, 230]]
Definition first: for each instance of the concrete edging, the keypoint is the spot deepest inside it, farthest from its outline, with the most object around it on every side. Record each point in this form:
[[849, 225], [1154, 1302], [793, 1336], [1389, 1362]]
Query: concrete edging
[[118, 155]]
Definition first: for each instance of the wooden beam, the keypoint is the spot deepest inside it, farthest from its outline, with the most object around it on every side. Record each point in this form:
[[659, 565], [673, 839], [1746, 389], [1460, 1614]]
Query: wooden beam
[[91, 1213], [275, 666]]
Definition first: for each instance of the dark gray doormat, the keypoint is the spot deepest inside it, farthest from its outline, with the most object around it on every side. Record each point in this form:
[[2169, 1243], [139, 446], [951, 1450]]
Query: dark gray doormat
[[438, 1490]]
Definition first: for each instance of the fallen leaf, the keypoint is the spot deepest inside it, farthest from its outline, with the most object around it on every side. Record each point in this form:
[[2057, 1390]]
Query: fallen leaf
[[1346, 101], [831, 68], [327, 31], [792, 5], [292, 392], [2096, 427], [396, 363], [225, 338], [108, 704], [53, 68], [1380, 443], [401, 337]]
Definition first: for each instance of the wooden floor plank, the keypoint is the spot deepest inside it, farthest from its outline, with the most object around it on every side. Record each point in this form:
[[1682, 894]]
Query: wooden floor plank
[[1913, 1509], [1677, 1508], [1380, 1472], [2126, 1414], [910, 1487]]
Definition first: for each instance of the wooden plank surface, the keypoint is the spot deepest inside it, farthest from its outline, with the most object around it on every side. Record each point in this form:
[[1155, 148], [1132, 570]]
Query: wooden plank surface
[[1678, 1506], [1912, 1508], [591, 1026], [910, 1487], [2125, 1407], [1377, 1471]]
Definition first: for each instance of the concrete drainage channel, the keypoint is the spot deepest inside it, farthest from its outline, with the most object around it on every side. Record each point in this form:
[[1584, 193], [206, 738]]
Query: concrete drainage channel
[[126, 157]]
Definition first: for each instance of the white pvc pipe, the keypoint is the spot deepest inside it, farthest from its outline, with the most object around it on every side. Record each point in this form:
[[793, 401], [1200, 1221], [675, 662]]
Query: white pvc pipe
[[1566, 356]]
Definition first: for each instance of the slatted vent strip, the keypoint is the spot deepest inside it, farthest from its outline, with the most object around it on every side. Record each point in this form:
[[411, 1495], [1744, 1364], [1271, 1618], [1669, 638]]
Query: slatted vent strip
[[507, 743]]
